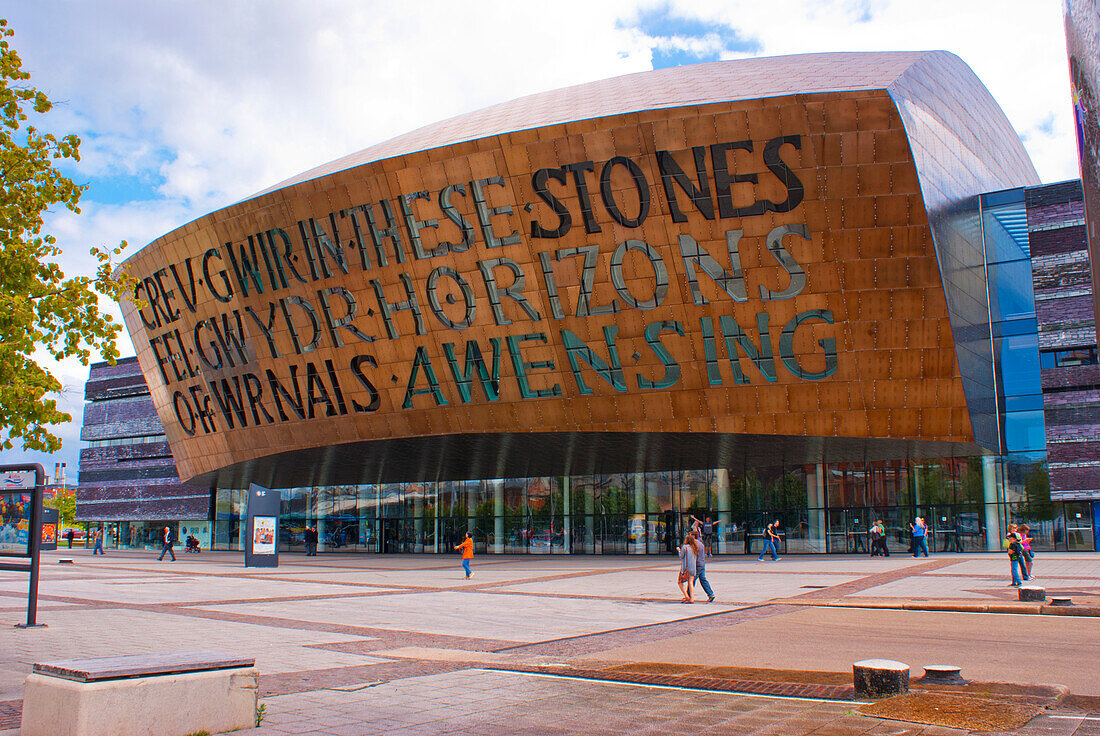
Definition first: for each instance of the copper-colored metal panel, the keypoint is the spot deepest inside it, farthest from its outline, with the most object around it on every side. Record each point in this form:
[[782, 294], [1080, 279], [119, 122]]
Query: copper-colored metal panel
[[614, 337]]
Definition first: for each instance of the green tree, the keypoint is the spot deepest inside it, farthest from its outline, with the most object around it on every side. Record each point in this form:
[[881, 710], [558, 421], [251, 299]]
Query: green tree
[[41, 311], [935, 486], [65, 503], [789, 492], [1038, 492], [974, 482]]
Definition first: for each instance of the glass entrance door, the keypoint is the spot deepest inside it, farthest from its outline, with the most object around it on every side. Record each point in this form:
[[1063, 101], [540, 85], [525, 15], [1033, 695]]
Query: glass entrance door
[[941, 522], [1079, 529], [858, 521], [389, 534], [847, 531]]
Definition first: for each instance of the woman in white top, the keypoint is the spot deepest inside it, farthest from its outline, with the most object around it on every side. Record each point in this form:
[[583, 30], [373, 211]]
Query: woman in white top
[[686, 578]]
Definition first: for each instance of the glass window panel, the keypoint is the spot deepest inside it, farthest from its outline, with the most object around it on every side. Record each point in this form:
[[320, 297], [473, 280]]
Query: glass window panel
[[694, 489], [390, 498], [658, 491], [451, 499]]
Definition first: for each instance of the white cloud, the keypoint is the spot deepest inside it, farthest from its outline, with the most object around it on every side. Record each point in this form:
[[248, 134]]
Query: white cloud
[[1016, 47], [209, 101]]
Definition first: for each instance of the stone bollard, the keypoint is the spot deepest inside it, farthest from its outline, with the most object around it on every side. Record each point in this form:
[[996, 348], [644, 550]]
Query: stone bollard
[[878, 678], [1032, 593], [943, 674]]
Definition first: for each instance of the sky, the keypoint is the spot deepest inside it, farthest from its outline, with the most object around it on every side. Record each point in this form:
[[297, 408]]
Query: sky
[[186, 106]]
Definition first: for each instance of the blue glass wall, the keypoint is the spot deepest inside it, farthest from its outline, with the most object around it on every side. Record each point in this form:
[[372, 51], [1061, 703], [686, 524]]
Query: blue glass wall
[[1013, 326]]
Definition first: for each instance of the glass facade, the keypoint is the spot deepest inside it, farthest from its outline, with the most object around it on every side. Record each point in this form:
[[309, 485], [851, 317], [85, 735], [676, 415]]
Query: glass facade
[[1021, 429], [826, 507], [1013, 326]]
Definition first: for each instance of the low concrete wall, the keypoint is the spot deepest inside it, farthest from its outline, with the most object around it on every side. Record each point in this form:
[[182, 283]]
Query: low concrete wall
[[165, 705]]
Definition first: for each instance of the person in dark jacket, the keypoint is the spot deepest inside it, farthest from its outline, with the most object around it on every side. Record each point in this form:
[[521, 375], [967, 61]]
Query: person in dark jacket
[[167, 539], [1017, 559]]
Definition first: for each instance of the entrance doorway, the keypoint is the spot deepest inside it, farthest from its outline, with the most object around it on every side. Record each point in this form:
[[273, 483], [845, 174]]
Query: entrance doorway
[[848, 530], [389, 534]]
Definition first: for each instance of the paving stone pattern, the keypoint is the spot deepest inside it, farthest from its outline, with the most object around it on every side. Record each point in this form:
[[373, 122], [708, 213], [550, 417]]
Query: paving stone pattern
[[364, 645]]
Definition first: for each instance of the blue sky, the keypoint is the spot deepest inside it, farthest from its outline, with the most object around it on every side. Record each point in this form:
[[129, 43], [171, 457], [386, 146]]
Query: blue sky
[[186, 106], [680, 39]]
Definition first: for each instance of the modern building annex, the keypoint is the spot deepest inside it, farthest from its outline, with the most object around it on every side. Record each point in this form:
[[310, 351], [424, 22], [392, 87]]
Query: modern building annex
[[741, 290]]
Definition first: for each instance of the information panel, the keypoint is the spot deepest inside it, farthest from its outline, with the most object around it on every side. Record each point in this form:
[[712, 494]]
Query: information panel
[[21, 533], [262, 540]]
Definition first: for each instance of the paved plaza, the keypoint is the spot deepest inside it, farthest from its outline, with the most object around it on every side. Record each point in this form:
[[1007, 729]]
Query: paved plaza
[[564, 645]]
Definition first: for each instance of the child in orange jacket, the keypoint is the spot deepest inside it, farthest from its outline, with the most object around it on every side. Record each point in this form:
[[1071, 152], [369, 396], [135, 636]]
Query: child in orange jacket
[[467, 547]]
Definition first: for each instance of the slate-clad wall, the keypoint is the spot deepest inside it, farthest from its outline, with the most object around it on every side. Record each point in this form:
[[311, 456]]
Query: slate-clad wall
[[133, 481], [126, 417], [1063, 293]]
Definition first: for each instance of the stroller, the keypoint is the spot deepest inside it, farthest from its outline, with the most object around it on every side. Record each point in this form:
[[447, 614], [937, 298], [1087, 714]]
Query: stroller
[[192, 544]]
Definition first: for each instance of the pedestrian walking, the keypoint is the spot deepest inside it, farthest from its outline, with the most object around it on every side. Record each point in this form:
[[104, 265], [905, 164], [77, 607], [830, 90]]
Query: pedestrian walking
[[920, 537], [1016, 560], [878, 540], [771, 542], [167, 539], [69, 535], [701, 569], [98, 549], [311, 541], [686, 577], [467, 547]]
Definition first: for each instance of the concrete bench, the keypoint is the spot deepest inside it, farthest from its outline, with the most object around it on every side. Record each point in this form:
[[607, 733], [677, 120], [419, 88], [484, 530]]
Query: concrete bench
[[1031, 593], [1061, 601], [878, 678], [165, 694]]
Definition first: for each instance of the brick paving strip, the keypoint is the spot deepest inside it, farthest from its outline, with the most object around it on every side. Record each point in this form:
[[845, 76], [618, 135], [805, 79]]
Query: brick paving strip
[[337, 678], [604, 640], [693, 682], [872, 581]]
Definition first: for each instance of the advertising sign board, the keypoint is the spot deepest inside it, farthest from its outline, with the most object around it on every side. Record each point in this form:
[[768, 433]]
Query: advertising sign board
[[21, 534], [262, 540]]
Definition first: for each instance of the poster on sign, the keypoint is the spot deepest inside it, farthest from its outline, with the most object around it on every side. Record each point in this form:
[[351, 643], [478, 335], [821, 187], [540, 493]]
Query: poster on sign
[[15, 514], [50, 520], [263, 535]]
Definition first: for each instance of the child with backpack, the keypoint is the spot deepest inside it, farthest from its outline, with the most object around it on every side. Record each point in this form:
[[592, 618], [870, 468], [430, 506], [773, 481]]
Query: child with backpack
[[1016, 559]]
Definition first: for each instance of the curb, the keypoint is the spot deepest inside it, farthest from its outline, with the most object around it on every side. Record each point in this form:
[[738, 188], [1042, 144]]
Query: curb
[[1032, 608]]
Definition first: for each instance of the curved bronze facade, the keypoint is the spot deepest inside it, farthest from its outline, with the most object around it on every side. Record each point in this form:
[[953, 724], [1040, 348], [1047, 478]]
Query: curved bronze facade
[[710, 263]]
